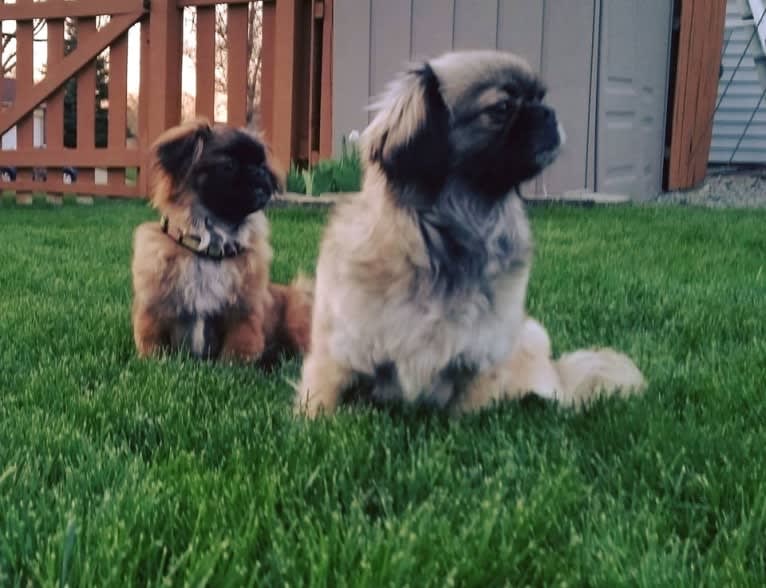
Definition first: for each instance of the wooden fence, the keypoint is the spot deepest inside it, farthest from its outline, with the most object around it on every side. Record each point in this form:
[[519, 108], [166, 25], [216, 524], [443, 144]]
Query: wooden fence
[[294, 113]]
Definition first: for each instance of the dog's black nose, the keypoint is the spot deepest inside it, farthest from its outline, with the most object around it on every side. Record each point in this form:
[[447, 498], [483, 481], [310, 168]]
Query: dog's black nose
[[261, 197], [260, 174]]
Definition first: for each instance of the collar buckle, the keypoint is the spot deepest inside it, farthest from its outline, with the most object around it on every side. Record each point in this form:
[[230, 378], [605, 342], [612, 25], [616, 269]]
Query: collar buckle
[[214, 251]]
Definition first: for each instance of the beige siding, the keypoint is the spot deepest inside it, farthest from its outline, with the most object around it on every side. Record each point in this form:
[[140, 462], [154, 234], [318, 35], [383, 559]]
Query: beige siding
[[632, 96], [390, 37], [475, 24], [431, 27], [562, 39], [520, 23], [351, 67], [566, 67]]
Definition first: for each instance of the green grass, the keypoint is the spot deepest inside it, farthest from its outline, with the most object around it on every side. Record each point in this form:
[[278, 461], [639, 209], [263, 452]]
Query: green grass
[[117, 472]]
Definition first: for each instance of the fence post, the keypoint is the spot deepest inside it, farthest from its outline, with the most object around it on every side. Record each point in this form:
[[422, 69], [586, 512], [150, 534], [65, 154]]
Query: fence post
[[699, 57], [86, 105], [163, 74], [54, 115], [325, 112], [238, 61], [118, 101], [268, 42], [24, 80], [282, 114]]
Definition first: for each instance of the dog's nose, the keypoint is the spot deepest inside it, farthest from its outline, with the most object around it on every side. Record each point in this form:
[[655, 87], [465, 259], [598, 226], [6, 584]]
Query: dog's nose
[[261, 174], [543, 114], [262, 196]]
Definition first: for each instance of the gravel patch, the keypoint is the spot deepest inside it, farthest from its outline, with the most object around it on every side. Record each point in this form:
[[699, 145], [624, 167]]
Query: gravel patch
[[727, 188]]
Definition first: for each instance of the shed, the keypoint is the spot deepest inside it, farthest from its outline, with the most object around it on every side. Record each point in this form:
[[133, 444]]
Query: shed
[[607, 64]]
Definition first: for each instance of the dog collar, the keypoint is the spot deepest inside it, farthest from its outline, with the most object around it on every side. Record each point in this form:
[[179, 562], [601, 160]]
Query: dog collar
[[197, 244]]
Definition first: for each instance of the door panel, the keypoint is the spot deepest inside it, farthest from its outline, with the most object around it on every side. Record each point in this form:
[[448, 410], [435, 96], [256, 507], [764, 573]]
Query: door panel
[[566, 70], [632, 96]]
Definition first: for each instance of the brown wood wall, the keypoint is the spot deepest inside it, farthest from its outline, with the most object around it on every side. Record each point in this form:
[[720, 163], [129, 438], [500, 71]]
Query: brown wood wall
[[700, 42]]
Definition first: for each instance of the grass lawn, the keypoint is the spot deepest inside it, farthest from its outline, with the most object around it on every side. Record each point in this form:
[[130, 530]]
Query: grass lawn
[[117, 472]]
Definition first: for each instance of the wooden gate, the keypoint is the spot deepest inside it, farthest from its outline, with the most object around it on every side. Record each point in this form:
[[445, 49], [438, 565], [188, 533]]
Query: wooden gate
[[295, 101]]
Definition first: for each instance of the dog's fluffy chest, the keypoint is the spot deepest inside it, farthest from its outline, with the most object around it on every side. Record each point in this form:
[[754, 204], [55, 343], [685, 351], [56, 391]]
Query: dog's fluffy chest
[[426, 335], [466, 324], [423, 341], [426, 294], [206, 287]]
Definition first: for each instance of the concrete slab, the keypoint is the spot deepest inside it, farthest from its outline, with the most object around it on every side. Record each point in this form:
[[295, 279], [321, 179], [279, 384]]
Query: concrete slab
[[574, 197], [584, 197]]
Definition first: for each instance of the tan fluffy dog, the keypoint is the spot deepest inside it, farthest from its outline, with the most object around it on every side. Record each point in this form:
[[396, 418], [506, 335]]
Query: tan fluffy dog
[[201, 275], [422, 278]]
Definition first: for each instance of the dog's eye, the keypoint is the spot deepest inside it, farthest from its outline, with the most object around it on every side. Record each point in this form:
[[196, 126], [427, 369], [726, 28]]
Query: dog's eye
[[503, 108], [227, 166]]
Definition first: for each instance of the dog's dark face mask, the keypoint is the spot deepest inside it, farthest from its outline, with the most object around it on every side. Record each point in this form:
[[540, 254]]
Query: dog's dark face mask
[[226, 169], [481, 122], [504, 136]]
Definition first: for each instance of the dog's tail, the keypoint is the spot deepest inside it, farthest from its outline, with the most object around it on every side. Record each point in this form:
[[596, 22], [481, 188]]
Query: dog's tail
[[296, 300], [587, 373]]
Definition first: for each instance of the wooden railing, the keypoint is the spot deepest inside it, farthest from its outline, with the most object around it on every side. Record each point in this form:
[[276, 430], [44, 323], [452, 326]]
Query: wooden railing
[[294, 112]]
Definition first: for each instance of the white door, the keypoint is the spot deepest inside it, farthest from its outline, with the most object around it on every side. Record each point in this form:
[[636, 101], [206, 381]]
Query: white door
[[632, 96]]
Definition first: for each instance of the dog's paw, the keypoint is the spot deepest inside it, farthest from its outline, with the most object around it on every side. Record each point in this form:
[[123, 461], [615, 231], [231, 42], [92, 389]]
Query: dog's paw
[[307, 405], [322, 383], [304, 407]]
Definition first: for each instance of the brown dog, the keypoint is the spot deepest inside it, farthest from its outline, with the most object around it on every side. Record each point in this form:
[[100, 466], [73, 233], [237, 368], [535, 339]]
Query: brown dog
[[201, 275]]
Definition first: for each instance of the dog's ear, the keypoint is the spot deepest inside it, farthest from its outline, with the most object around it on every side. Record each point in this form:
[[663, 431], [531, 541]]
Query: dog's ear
[[181, 147], [408, 137]]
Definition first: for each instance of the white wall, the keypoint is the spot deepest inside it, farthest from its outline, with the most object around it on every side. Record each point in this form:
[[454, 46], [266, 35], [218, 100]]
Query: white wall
[[741, 99], [9, 138]]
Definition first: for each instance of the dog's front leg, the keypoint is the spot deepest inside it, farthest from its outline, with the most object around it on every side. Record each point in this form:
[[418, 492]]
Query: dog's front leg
[[244, 341], [486, 389], [323, 380], [529, 369], [148, 333]]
